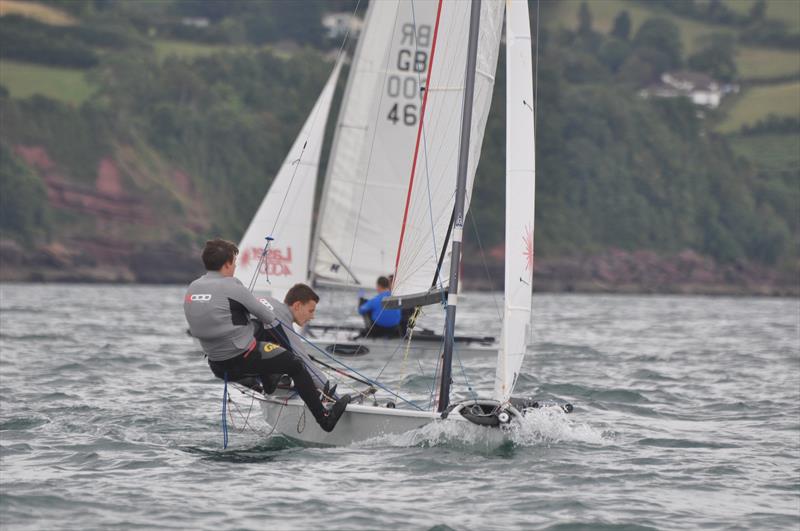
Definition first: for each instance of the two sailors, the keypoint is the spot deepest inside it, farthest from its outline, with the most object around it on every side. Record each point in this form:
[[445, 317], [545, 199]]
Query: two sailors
[[244, 337]]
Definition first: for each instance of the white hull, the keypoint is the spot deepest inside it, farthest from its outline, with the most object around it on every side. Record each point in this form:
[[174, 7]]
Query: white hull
[[292, 419], [288, 416]]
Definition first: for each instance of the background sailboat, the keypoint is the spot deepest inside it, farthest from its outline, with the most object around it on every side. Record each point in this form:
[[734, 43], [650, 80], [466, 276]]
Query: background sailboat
[[364, 193], [285, 212]]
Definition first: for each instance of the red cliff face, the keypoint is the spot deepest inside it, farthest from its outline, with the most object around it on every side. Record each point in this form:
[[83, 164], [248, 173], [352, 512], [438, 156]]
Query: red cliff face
[[113, 231], [106, 201]]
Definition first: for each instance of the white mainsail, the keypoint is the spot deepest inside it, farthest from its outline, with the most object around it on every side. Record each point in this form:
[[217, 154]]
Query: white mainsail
[[432, 184], [372, 151], [520, 193], [292, 191]]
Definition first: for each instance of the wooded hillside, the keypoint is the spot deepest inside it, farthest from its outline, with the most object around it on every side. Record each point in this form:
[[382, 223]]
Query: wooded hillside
[[133, 131]]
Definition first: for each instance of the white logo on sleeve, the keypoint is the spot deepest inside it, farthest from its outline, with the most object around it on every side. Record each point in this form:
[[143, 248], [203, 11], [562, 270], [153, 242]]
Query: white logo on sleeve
[[266, 303], [201, 297]]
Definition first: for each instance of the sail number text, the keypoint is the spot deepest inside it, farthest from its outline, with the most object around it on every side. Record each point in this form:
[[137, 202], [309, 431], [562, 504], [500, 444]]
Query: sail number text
[[412, 57]]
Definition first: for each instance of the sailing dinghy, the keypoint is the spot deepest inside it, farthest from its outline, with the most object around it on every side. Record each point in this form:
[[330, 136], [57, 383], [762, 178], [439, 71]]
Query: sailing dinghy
[[452, 118]]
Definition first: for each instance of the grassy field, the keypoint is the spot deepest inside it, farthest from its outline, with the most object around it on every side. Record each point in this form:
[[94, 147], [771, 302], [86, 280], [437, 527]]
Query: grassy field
[[758, 102], [763, 63], [184, 49], [40, 12], [786, 10], [165, 48], [770, 152], [65, 84], [565, 14]]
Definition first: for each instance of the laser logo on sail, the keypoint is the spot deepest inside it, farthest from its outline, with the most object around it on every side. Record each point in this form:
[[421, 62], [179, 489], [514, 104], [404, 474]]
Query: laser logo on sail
[[278, 262]]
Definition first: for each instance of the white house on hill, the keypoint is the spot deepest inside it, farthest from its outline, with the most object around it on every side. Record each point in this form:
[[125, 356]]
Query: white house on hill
[[338, 24], [701, 89]]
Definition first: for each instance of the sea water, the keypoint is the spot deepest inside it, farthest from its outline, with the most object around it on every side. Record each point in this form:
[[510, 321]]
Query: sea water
[[687, 416]]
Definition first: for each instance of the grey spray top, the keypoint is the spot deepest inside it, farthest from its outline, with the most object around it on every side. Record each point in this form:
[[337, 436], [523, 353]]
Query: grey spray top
[[218, 310]]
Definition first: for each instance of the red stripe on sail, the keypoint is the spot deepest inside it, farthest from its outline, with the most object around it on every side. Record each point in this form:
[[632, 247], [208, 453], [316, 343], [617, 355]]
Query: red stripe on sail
[[419, 136]]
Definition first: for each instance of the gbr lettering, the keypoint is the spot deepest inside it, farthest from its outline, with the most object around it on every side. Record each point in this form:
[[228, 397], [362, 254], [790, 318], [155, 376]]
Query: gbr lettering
[[411, 63]]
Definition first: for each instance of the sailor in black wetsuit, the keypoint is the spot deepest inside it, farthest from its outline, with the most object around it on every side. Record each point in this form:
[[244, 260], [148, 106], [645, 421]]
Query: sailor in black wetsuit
[[218, 309]]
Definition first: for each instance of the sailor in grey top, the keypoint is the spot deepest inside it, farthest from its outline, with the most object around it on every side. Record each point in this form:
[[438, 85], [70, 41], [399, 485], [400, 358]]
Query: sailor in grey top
[[218, 310]]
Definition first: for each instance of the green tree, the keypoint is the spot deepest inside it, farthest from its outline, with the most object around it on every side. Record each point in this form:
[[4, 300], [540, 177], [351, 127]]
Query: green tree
[[622, 26], [758, 10], [663, 36], [23, 210], [717, 58], [584, 20]]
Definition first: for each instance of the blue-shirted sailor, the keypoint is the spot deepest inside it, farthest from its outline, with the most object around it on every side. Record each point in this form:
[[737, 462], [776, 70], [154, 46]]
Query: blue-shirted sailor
[[382, 322]]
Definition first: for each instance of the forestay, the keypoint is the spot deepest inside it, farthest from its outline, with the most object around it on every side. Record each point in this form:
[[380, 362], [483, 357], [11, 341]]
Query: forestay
[[520, 192], [372, 151], [284, 213], [430, 189]]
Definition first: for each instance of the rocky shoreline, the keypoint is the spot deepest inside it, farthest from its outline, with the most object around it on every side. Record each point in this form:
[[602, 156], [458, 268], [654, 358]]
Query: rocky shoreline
[[613, 271], [645, 272]]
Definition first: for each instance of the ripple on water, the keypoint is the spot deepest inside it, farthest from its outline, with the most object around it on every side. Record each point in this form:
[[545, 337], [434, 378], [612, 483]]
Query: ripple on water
[[22, 423], [684, 443], [619, 395]]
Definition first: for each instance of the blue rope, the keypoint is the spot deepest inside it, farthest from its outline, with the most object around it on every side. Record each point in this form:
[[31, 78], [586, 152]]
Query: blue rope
[[367, 378], [225, 413]]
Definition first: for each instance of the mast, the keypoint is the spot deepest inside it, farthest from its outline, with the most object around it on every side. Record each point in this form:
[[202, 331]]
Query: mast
[[461, 192]]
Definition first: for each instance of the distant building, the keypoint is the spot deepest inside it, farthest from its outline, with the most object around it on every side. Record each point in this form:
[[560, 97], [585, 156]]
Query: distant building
[[338, 24], [701, 89], [196, 22]]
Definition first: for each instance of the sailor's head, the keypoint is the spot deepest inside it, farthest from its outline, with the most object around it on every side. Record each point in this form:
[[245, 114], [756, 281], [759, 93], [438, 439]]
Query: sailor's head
[[302, 302], [220, 255], [383, 284]]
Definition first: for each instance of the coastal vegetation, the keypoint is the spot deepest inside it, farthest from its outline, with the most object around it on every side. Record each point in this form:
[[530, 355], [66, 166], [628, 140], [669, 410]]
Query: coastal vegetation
[[162, 123]]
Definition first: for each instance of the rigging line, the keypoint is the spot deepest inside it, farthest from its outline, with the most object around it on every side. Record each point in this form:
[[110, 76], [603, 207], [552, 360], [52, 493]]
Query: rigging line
[[372, 146], [372, 382], [464, 373], [391, 358], [433, 398], [338, 371], [297, 162], [485, 264], [422, 372], [425, 151], [419, 134], [252, 284], [245, 419], [408, 347]]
